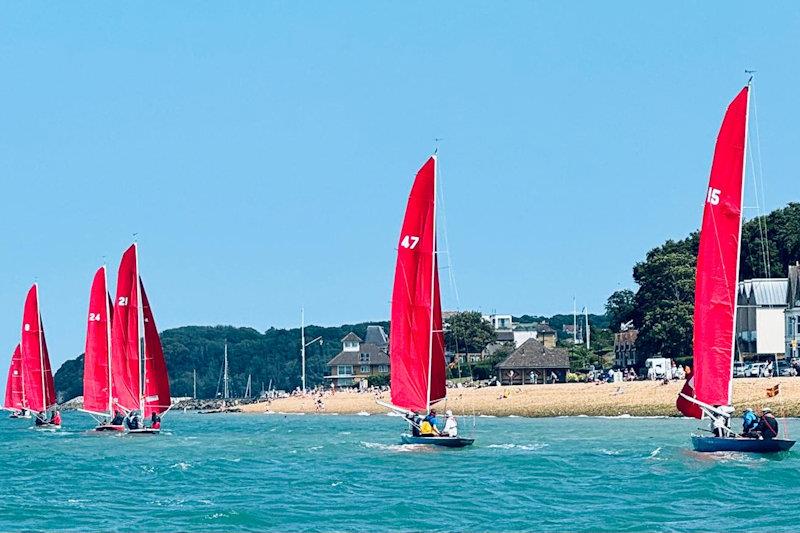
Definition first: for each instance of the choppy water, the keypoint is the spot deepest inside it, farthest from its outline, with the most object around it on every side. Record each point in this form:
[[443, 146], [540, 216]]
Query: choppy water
[[275, 472]]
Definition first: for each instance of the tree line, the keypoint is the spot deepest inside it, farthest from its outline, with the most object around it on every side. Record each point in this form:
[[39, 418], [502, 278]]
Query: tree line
[[662, 307]]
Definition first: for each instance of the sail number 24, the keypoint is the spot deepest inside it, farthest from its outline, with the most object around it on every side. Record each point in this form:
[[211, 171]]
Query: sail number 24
[[409, 241], [713, 196]]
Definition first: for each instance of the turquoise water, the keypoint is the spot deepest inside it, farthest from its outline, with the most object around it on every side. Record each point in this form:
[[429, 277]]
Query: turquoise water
[[275, 472]]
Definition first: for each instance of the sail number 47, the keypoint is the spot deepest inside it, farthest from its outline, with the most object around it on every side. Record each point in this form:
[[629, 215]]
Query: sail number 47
[[713, 196], [409, 241]]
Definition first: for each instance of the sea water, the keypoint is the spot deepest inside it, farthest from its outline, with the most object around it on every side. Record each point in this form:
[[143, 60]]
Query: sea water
[[349, 473]]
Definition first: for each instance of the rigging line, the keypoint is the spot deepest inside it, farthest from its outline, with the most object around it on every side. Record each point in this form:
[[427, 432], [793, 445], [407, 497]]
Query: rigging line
[[758, 216], [761, 178], [450, 272]]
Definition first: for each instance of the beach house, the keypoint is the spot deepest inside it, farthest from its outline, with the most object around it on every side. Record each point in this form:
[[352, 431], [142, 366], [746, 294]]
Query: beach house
[[533, 362], [760, 320], [359, 358], [792, 314]]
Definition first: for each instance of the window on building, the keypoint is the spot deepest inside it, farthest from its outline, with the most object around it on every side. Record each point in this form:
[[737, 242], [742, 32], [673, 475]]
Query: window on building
[[364, 358], [346, 382], [345, 370], [383, 368], [364, 368]]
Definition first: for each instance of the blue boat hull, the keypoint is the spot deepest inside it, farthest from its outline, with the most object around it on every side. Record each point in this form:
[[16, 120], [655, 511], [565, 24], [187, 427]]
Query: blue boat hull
[[740, 444], [448, 442]]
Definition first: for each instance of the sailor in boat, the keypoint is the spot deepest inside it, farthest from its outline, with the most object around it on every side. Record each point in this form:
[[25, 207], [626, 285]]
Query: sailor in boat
[[41, 418], [414, 422], [55, 418], [450, 425], [134, 420], [749, 421], [118, 420], [767, 427], [429, 426], [155, 421]]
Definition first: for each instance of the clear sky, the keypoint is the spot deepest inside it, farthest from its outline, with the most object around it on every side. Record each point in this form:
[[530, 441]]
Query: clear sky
[[263, 151]]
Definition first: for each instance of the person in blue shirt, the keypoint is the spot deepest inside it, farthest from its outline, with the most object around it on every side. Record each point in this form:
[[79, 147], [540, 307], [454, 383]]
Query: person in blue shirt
[[431, 418], [749, 421]]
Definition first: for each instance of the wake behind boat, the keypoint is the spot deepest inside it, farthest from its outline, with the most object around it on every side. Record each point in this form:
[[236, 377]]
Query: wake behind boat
[[708, 392], [417, 338]]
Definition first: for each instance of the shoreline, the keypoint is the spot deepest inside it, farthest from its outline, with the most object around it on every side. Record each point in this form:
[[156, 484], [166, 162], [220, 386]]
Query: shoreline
[[635, 399]]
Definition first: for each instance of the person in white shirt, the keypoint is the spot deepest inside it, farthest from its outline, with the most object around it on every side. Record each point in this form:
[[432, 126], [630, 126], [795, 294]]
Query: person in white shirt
[[450, 425]]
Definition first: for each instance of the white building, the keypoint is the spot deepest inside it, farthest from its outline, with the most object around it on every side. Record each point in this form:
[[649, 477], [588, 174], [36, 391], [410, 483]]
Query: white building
[[792, 313], [760, 321], [499, 322]]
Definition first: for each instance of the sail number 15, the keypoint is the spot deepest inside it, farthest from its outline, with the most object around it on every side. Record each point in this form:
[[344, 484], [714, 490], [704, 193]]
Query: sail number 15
[[409, 241], [713, 196]]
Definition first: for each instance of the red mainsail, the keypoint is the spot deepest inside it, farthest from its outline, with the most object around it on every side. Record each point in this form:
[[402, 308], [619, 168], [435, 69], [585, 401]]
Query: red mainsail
[[97, 360], [15, 387], [417, 340], [38, 376], [125, 369], [156, 384], [718, 265]]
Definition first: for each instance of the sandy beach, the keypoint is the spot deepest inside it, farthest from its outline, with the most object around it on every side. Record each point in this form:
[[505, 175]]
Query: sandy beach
[[638, 398]]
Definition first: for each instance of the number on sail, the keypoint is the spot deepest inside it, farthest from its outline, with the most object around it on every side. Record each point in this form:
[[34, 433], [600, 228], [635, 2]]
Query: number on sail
[[123, 300], [94, 317], [713, 196], [409, 241]]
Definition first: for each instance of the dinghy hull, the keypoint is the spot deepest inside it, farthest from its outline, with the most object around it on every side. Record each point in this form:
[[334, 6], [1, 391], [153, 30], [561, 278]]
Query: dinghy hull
[[448, 442], [144, 431], [740, 444], [109, 428]]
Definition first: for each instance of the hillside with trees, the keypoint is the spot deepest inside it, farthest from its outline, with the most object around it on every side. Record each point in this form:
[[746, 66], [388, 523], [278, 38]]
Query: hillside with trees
[[272, 357], [663, 306]]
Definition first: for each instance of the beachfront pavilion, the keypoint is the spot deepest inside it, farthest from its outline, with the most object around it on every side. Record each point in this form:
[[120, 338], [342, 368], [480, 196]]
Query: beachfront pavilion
[[533, 362]]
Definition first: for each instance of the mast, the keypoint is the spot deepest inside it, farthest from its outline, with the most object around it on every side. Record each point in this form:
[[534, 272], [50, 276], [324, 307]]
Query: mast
[[41, 348], [141, 344], [435, 158], [739, 255], [194, 383], [588, 331], [225, 373], [303, 348], [108, 341], [574, 322]]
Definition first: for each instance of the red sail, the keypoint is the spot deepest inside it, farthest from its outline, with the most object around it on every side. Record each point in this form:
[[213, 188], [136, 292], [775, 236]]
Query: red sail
[[97, 361], [417, 341], [156, 385], [15, 388], [39, 388], [125, 371], [718, 261]]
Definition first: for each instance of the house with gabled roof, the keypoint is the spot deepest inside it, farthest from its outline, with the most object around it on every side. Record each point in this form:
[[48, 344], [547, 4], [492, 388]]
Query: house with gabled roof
[[533, 362], [359, 358]]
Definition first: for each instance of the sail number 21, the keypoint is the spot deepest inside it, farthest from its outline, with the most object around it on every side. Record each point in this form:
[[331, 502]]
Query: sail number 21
[[713, 196], [409, 241]]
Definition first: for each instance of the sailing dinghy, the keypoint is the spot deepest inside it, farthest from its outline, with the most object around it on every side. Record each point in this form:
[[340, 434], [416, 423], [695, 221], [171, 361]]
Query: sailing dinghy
[[40, 392], [140, 382], [708, 392], [416, 336], [98, 398], [15, 388]]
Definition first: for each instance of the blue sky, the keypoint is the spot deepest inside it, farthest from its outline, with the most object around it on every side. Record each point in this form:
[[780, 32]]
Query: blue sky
[[263, 151]]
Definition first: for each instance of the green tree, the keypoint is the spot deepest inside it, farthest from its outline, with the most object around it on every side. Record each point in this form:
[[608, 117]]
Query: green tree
[[467, 332], [619, 307]]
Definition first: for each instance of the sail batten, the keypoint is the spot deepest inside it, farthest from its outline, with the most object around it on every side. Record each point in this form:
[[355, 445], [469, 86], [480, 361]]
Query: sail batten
[[718, 261], [416, 338]]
